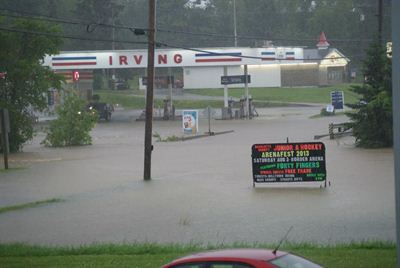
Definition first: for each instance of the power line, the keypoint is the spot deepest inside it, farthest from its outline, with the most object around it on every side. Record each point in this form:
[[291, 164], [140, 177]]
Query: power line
[[91, 26], [256, 37], [68, 36], [158, 44], [41, 17]]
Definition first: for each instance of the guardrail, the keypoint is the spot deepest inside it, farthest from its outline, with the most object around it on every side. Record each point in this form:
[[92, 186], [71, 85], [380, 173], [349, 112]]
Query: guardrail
[[336, 130]]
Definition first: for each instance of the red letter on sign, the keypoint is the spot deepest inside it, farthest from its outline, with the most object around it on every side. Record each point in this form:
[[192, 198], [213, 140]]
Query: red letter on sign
[[123, 60], [178, 58], [138, 59], [162, 59], [110, 60]]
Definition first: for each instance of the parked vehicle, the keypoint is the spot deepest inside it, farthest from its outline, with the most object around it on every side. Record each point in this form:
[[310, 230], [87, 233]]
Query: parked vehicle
[[121, 85], [242, 258], [103, 109]]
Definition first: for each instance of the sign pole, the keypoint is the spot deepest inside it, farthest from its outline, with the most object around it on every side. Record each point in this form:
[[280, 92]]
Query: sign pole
[[226, 88], [4, 135], [246, 86], [170, 81], [209, 120], [396, 117], [148, 147]]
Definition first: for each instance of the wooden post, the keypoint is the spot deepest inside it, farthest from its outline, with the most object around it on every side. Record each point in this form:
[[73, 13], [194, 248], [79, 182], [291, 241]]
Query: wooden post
[[4, 135], [331, 136], [148, 147]]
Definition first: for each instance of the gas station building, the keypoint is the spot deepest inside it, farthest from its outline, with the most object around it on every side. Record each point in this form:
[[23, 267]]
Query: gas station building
[[203, 67]]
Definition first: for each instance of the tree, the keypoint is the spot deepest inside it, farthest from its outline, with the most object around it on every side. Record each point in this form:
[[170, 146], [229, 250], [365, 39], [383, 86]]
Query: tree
[[25, 88], [372, 124], [73, 124], [97, 13]]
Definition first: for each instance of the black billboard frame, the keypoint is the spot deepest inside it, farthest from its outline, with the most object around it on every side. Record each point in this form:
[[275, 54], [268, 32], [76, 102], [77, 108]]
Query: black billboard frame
[[284, 163]]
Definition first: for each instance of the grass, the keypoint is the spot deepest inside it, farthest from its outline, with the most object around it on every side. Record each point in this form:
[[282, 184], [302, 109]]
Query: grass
[[128, 101], [10, 169], [323, 115], [122, 98], [148, 255], [302, 95], [263, 97], [158, 138], [29, 205]]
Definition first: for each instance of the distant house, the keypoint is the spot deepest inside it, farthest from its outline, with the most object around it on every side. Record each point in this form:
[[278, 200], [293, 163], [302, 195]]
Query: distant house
[[323, 66]]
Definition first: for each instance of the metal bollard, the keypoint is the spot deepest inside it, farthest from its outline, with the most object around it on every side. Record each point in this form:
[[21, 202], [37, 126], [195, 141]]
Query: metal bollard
[[331, 136]]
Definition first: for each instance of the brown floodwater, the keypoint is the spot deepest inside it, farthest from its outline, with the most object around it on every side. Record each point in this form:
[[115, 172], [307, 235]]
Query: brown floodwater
[[201, 189]]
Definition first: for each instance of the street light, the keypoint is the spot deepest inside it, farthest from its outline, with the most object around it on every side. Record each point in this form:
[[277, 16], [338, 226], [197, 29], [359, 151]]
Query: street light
[[234, 22]]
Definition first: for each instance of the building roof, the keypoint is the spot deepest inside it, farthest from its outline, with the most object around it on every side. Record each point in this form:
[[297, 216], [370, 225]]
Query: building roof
[[315, 53], [322, 43]]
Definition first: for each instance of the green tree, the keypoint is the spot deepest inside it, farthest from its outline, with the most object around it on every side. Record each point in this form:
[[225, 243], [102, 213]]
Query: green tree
[[27, 82], [372, 124], [97, 14], [73, 125]]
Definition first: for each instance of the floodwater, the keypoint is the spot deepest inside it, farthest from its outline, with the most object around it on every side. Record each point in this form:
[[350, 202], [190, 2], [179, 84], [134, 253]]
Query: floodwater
[[201, 189]]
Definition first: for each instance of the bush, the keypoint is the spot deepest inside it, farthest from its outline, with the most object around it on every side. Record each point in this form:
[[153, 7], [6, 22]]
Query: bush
[[372, 123], [98, 82], [25, 87], [324, 112], [73, 124]]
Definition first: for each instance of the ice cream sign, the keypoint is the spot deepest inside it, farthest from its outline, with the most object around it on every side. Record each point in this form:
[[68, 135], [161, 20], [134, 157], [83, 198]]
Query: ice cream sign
[[190, 122]]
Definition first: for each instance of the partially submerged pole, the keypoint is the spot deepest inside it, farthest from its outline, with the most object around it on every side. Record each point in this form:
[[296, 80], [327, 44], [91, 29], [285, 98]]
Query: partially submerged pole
[[148, 147], [396, 114]]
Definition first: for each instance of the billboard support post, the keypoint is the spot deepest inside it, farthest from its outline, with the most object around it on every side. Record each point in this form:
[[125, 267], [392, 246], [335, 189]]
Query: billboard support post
[[246, 86], [226, 88]]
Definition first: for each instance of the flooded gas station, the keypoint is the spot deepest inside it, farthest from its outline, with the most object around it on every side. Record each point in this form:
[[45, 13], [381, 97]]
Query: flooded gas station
[[201, 189]]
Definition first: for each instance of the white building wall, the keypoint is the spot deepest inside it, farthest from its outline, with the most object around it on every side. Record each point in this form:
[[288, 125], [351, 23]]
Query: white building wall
[[210, 77], [265, 75], [202, 77]]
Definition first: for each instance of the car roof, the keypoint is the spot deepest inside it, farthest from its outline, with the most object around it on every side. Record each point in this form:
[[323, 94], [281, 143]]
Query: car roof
[[232, 254]]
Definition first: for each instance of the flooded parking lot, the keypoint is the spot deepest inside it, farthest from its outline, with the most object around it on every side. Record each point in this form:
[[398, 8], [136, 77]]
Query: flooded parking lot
[[201, 189]]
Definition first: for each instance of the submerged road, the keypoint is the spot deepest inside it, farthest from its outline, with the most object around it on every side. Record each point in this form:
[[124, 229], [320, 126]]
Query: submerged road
[[201, 189]]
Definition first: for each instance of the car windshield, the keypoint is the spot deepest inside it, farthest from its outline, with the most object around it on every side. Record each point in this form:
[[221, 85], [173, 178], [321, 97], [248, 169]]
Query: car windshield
[[292, 261]]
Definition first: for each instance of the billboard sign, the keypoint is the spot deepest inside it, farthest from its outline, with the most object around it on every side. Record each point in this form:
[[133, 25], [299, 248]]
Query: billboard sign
[[234, 79], [337, 100], [113, 59], [190, 121], [75, 76], [289, 162]]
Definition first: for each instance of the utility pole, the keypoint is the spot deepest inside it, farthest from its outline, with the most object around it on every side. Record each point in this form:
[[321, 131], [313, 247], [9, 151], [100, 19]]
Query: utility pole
[[148, 147], [396, 115], [113, 41], [380, 21], [234, 22]]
